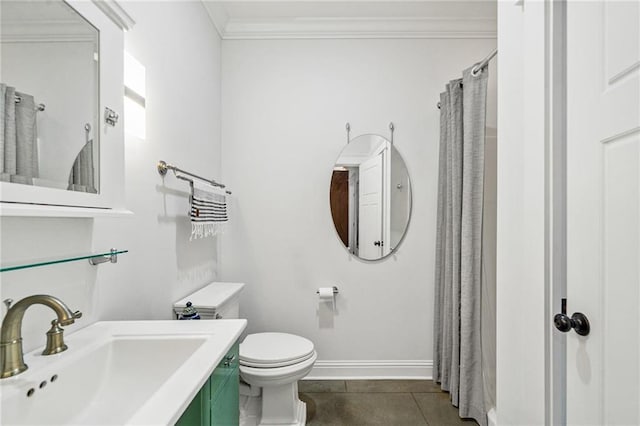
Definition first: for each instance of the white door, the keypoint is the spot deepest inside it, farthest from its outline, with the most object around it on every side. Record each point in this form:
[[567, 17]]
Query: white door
[[370, 208], [603, 211]]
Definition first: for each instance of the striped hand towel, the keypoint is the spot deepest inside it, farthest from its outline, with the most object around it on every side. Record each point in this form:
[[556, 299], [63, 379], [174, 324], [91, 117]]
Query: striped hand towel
[[208, 212]]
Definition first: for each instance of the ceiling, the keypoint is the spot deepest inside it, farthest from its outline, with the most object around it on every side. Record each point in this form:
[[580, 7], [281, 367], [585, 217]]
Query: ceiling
[[241, 19]]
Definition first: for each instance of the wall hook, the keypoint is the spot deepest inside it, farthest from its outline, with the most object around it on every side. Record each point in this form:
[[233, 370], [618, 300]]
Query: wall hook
[[348, 127], [110, 116], [392, 128]]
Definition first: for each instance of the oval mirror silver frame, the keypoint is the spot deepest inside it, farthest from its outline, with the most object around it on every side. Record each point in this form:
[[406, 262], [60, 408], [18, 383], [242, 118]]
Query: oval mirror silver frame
[[370, 197]]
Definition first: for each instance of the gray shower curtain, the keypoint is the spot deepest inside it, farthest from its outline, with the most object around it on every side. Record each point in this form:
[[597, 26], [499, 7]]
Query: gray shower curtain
[[457, 360], [18, 139]]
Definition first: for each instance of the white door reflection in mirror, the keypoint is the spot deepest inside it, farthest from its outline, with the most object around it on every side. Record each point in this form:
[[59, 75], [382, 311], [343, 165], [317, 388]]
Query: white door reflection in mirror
[[370, 197], [370, 208]]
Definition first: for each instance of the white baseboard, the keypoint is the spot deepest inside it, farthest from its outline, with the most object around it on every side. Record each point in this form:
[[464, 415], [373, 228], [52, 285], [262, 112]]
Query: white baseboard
[[370, 370]]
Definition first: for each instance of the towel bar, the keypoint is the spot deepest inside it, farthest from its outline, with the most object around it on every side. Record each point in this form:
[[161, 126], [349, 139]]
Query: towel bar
[[163, 167]]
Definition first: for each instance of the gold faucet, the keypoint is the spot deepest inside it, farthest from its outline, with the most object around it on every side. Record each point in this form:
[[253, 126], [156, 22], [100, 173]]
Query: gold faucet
[[11, 356]]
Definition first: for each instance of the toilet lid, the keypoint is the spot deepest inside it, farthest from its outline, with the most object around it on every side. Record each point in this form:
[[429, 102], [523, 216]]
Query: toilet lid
[[274, 350]]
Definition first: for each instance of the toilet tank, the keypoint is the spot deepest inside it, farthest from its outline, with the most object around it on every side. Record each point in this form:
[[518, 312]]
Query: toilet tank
[[218, 300]]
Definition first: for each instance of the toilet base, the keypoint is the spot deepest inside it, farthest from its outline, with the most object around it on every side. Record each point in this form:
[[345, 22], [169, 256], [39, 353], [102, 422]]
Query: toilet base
[[300, 417], [251, 412]]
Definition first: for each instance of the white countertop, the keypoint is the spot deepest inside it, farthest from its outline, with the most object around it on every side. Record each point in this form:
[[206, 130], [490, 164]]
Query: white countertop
[[82, 395]]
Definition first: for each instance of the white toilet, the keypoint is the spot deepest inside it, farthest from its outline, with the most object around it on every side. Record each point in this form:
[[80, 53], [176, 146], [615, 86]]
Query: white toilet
[[271, 363], [275, 362]]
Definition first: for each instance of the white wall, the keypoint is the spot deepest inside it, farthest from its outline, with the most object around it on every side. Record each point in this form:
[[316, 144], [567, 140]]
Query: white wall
[[183, 127], [521, 215], [285, 105]]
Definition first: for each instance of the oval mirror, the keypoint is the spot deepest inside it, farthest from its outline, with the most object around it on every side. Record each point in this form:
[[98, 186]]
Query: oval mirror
[[370, 197]]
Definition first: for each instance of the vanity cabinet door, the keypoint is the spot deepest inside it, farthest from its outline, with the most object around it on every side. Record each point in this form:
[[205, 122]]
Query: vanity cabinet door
[[198, 412], [217, 403], [225, 409], [225, 392]]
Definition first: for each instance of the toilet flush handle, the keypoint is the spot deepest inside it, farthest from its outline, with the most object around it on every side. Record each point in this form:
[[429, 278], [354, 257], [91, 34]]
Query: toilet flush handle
[[229, 359]]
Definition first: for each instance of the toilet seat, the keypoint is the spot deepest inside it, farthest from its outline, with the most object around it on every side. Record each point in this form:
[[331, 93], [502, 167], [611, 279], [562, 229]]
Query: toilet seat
[[277, 376], [274, 350]]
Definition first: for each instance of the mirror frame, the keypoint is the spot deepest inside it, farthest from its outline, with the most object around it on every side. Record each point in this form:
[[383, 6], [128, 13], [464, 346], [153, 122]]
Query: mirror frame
[[21, 200]]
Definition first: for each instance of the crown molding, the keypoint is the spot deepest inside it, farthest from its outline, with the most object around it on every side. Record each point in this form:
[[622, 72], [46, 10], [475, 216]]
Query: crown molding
[[217, 15], [48, 38], [46, 31], [116, 13], [339, 28]]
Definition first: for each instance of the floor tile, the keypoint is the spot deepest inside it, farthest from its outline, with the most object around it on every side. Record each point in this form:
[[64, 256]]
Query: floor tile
[[437, 409], [392, 386], [362, 409], [319, 386]]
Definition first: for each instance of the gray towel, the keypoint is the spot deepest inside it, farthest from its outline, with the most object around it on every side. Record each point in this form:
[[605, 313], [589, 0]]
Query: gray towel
[[18, 146], [81, 177], [3, 120], [26, 139], [8, 142]]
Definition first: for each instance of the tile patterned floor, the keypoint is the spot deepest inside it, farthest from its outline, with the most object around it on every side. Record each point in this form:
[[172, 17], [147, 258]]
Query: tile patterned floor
[[378, 403]]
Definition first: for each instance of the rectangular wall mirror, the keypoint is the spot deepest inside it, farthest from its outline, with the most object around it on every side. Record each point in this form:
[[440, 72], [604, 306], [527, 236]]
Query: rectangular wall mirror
[[49, 96]]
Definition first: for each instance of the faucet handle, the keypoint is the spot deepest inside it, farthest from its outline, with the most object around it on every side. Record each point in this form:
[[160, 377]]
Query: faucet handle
[[55, 339]]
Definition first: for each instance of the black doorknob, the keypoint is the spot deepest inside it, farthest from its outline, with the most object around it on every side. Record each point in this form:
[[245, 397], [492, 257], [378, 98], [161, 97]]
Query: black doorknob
[[578, 322], [377, 243], [562, 322]]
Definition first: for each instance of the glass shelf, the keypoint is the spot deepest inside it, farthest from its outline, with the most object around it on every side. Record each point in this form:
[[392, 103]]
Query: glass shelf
[[99, 257]]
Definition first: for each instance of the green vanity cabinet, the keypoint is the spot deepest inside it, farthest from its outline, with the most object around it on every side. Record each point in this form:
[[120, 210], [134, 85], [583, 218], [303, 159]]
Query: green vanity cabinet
[[217, 402]]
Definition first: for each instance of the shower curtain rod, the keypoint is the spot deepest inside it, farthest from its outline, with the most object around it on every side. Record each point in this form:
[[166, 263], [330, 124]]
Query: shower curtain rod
[[479, 66], [18, 99], [483, 63]]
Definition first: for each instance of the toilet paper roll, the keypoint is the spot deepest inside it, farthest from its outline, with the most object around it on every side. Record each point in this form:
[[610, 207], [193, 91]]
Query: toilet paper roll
[[326, 294]]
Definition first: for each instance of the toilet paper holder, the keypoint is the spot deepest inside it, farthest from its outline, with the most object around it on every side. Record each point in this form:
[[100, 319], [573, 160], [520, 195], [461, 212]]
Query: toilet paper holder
[[335, 290]]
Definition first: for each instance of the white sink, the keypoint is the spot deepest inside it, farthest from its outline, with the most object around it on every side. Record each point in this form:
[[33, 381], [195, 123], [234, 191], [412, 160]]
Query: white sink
[[114, 373]]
